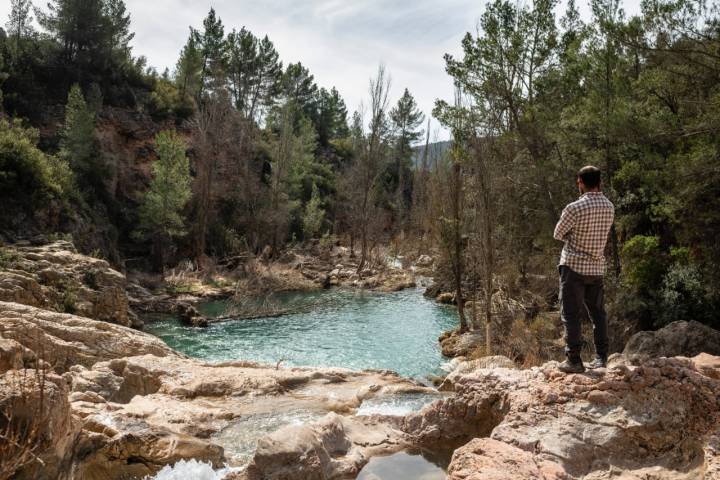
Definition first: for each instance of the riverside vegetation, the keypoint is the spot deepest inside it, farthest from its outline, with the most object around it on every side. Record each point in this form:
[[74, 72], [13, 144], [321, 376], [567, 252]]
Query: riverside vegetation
[[127, 191]]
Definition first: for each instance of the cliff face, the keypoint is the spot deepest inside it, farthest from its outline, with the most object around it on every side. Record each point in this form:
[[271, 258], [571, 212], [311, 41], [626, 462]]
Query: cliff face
[[56, 277], [126, 152]]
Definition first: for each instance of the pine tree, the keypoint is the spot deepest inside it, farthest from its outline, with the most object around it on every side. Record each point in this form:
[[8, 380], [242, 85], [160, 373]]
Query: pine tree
[[314, 215], [161, 210], [269, 75], [243, 66], [406, 119], [19, 24], [78, 143], [213, 48], [298, 87], [118, 28], [188, 72], [331, 116]]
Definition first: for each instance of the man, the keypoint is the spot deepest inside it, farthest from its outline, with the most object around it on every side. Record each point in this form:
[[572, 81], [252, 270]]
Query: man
[[584, 226]]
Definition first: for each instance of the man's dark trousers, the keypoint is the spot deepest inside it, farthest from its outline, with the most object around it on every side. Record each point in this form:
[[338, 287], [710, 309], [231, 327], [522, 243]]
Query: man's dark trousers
[[578, 292]]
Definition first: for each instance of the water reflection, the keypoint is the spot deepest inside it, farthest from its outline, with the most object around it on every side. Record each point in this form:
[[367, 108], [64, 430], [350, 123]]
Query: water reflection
[[404, 466]]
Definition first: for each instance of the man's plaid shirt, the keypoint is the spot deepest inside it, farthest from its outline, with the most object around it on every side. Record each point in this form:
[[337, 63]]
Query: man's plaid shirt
[[584, 226]]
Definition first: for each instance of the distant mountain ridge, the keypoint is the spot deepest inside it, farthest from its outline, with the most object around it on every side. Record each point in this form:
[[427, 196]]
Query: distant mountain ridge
[[435, 150]]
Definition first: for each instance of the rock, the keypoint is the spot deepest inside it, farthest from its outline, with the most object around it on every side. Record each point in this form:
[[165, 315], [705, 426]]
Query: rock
[[190, 315], [461, 344], [488, 459], [334, 447], [396, 282], [646, 421], [468, 366], [65, 340], [680, 338], [141, 452], [39, 400], [11, 355], [183, 399], [424, 261], [56, 277], [446, 298]]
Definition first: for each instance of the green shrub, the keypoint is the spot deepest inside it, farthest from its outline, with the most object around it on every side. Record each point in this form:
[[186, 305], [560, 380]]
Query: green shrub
[[7, 258], [643, 263], [28, 177]]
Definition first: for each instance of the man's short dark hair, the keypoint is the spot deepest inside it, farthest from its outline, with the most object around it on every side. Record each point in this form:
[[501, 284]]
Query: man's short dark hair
[[590, 176]]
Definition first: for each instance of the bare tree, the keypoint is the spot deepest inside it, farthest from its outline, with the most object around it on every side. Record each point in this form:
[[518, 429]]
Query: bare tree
[[370, 154]]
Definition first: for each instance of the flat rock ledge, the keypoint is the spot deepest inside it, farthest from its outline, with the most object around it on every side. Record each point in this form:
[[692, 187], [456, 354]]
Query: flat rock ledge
[[658, 420]]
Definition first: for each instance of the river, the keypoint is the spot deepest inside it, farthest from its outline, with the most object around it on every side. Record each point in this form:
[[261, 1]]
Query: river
[[340, 328]]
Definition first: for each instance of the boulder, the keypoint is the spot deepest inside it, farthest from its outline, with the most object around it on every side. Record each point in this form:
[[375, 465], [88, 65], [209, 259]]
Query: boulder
[[424, 261], [680, 338], [445, 298], [189, 315], [11, 355], [488, 459], [56, 277], [334, 447], [468, 366], [456, 344], [646, 421], [64, 340], [41, 424]]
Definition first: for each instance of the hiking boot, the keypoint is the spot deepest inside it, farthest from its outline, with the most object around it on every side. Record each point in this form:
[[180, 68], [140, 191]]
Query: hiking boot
[[599, 362], [571, 366]]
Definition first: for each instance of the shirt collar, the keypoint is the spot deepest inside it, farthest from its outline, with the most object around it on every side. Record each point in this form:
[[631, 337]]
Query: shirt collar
[[591, 194]]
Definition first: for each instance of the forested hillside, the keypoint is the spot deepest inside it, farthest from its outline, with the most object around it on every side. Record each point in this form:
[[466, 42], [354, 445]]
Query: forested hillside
[[262, 156], [235, 152]]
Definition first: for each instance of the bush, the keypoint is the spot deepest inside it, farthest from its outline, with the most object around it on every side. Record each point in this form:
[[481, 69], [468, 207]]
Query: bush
[[643, 263], [28, 177], [165, 100], [7, 258]]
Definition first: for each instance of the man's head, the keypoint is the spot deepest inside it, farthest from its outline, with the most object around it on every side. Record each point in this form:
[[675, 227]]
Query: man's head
[[588, 179]]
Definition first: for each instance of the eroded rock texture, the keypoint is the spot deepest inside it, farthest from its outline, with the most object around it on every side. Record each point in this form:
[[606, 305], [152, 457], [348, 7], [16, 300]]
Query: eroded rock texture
[[55, 277]]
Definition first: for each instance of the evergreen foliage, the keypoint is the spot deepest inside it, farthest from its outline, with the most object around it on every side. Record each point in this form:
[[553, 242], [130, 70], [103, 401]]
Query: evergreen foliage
[[162, 206]]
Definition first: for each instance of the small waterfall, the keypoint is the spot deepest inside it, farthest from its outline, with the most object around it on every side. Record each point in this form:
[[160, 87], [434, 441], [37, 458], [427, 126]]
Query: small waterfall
[[191, 469]]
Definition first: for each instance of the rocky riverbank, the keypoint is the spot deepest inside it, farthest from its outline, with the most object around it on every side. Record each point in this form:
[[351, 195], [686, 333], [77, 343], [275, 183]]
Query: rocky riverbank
[[124, 404], [56, 277], [119, 404], [95, 399]]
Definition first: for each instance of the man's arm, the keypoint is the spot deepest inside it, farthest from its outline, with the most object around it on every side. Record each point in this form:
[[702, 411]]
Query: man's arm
[[565, 225]]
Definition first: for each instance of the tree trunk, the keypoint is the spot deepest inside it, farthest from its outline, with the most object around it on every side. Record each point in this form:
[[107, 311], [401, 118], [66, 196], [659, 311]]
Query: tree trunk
[[458, 247]]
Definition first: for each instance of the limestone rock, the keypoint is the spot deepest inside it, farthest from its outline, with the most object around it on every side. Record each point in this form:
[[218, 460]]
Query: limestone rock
[[488, 459], [56, 277], [445, 297], [40, 400], [190, 315], [647, 421], [334, 447], [11, 355], [468, 366], [457, 344], [424, 261], [679, 338], [65, 340]]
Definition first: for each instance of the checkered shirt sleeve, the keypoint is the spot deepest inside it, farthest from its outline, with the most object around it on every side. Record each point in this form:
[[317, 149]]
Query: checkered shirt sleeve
[[584, 227]]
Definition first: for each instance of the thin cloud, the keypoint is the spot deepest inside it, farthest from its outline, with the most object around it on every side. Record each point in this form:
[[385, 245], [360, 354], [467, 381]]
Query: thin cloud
[[341, 41]]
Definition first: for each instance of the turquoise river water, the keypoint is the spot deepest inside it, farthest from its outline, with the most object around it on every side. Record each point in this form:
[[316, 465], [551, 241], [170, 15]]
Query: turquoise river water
[[339, 328]]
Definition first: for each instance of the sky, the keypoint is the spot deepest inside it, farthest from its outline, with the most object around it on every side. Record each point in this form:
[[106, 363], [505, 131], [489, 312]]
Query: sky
[[342, 42]]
